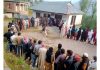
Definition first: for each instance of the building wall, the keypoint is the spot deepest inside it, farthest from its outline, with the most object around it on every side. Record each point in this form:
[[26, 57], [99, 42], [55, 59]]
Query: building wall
[[8, 15], [66, 18], [69, 20], [21, 8], [78, 19], [41, 13], [34, 14], [9, 7]]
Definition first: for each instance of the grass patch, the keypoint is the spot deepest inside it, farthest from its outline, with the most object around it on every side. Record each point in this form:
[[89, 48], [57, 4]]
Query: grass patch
[[14, 62], [8, 19]]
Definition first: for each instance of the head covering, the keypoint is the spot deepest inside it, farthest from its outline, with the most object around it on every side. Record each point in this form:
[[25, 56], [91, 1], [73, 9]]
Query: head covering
[[85, 54], [77, 57], [26, 40], [12, 25]]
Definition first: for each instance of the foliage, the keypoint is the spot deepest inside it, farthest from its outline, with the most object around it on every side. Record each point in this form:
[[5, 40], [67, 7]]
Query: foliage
[[84, 4], [88, 20], [14, 62]]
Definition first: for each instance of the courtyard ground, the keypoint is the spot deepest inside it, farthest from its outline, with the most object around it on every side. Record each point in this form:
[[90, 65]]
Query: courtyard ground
[[53, 38]]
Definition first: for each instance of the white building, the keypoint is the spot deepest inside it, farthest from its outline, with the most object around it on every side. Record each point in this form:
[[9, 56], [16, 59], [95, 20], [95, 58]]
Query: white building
[[62, 10]]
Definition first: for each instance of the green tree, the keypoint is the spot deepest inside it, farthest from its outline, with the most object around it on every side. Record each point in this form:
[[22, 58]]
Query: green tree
[[84, 5], [88, 20]]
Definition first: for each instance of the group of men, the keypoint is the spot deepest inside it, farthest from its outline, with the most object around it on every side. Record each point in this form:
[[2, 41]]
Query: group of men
[[43, 57], [82, 34]]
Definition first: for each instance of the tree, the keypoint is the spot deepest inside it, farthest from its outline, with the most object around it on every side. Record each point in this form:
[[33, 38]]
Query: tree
[[88, 20], [84, 5]]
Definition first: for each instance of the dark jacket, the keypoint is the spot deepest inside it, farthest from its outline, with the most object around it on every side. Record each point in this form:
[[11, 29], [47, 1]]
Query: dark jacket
[[68, 62], [48, 56], [57, 53], [74, 65]]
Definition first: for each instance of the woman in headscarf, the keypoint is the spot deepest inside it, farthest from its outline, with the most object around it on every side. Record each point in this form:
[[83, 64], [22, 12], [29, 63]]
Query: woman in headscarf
[[49, 59]]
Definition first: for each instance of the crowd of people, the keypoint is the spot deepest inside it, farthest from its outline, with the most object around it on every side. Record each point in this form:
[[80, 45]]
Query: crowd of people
[[43, 57], [82, 34], [44, 21], [71, 32]]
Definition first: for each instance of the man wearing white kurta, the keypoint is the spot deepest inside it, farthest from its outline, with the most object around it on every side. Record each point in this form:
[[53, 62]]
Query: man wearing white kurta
[[90, 33], [37, 22], [42, 55], [63, 30]]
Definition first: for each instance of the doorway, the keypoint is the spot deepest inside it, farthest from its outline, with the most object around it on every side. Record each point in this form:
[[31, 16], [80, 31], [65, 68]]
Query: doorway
[[73, 20], [37, 14], [58, 19]]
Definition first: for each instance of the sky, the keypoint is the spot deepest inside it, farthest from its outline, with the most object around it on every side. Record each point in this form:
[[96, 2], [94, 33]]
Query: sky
[[64, 0]]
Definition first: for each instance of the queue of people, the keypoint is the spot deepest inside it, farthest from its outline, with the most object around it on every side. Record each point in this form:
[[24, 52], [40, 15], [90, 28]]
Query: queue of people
[[83, 35], [43, 57]]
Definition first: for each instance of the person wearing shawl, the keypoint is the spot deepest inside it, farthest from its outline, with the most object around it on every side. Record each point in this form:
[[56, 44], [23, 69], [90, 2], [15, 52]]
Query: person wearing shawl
[[42, 56]]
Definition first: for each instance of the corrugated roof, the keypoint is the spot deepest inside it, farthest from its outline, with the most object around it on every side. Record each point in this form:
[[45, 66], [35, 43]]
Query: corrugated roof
[[9, 0], [16, 0], [57, 7]]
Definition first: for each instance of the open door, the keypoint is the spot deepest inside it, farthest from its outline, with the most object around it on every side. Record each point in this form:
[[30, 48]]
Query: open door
[[73, 20], [58, 19]]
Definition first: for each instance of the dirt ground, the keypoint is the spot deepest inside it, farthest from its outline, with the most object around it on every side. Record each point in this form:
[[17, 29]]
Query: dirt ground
[[53, 38]]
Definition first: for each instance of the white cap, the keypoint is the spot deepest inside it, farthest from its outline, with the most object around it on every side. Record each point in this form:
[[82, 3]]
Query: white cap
[[85, 54], [12, 25]]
